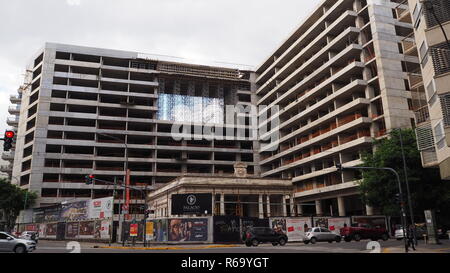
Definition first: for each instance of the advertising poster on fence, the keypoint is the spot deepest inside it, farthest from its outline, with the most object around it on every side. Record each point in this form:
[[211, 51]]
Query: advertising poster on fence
[[227, 229], [104, 229], [279, 224], [101, 208], [51, 230], [42, 228], [297, 227], [52, 214], [75, 211], [87, 229], [72, 230], [149, 231], [320, 222], [188, 230], [335, 224]]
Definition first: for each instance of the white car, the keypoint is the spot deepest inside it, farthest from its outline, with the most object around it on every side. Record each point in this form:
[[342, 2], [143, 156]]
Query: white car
[[10, 243], [319, 234]]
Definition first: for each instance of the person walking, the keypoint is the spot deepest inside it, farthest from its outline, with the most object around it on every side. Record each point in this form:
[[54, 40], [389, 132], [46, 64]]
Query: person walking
[[410, 237]]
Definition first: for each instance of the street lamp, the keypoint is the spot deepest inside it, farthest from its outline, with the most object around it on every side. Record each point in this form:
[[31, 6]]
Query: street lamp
[[402, 205]]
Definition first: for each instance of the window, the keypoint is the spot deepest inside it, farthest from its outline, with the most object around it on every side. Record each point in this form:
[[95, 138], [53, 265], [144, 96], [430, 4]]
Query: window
[[431, 93], [439, 132], [416, 15], [3, 236], [424, 54]]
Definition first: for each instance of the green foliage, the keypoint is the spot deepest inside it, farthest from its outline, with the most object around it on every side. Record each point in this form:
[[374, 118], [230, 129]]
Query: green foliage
[[12, 200], [378, 188]]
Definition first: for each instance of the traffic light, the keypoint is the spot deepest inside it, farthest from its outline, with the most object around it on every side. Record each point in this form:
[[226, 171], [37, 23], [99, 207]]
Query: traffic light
[[8, 140], [89, 179]]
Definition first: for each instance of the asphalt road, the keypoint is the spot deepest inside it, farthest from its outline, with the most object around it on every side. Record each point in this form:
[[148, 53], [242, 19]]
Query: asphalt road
[[343, 247]]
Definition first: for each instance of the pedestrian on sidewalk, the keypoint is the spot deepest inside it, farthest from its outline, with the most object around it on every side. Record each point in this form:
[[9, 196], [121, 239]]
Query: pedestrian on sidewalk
[[410, 237]]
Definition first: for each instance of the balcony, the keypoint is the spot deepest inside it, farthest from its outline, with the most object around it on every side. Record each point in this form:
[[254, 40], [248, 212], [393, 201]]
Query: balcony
[[422, 114], [415, 79], [15, 99], [403, 13], [8, 156], [12, 121], [14, 110]]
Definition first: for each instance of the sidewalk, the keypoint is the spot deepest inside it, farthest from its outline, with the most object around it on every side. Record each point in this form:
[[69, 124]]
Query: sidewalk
[[443, 248], [161, 246]]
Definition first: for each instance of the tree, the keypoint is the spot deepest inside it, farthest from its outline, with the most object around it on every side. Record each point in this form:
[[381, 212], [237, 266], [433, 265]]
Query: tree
[[378, 188], [12, 200]]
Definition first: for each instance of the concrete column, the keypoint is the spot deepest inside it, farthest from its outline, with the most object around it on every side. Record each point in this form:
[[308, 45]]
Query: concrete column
[[260, 207], [299, 209], [369, 210], [292, 205], [268, 206], [283, 202], [319, 210], [213, 204], [222, 204], [341, 206]]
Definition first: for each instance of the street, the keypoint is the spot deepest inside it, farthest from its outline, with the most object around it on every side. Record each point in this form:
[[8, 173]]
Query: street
[[390, 246]]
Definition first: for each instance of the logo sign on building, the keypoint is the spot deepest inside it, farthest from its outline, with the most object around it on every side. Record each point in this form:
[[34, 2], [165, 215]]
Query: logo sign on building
[[101, 208], [191, 204]]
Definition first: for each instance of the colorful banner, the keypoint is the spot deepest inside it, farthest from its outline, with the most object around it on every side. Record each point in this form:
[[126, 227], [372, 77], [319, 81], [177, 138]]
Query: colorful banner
[[75, 211], [101, 208], [134, 230], [149, 230], [160, 230], [188, 230]]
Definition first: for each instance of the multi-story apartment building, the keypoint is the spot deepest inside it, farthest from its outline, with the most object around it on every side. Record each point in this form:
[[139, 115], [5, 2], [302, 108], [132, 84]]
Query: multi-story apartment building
[[340, 82], [431, 81], [98, 111]]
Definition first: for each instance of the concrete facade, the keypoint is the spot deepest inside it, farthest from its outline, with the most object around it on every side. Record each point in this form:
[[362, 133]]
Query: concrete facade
[[95, 111], [340, 82]]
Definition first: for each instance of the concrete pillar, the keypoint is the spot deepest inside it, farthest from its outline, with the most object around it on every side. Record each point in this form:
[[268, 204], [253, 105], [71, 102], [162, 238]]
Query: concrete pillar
[[222, 204], [319, 210], [260, 207], [292, 205], [268, 206], [213, 205], [283, 202], [341, 206], [299, 209], [369, 210]]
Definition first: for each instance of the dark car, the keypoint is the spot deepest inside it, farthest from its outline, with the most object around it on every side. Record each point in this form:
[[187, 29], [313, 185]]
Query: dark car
[[364, 231], [256, 235]]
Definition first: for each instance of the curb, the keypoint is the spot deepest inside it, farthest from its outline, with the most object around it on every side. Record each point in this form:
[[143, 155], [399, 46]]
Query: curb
[[166, 248]]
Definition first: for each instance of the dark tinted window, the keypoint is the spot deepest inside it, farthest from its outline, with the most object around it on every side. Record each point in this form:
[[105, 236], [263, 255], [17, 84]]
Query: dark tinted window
[[3, 236]]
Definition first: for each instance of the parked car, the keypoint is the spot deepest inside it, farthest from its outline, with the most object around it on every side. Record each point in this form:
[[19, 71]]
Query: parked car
[[319, 234], [256, 235], [364, 231], [30, 235], [11, 243]]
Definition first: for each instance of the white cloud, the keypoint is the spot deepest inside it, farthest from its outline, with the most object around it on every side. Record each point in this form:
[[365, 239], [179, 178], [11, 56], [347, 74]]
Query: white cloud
[[73, 2]]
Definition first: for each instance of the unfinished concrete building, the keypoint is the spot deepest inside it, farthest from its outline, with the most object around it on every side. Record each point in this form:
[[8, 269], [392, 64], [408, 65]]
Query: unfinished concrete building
[[340, 82], [98, 111]]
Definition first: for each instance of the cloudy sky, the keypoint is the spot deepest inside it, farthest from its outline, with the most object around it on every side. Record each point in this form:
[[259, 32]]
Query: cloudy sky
[[234, 31]]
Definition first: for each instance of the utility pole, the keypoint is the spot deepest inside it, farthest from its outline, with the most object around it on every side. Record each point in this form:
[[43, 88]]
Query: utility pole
[[407, 188]]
